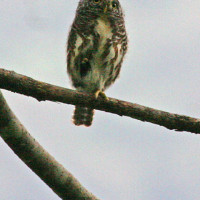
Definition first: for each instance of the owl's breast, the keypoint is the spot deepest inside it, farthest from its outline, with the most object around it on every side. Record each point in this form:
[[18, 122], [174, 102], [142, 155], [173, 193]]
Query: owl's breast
[[105, 51], [104, 29]]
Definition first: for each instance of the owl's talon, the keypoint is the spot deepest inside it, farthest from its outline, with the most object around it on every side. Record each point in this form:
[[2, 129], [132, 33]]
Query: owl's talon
[[101, 94], [96, 94]]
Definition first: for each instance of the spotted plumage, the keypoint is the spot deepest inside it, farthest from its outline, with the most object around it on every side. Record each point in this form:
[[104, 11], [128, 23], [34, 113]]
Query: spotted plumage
[[96, 47]]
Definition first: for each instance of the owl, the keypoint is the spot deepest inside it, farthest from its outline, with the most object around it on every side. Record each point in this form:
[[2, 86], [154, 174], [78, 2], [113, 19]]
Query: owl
[[96, 46]]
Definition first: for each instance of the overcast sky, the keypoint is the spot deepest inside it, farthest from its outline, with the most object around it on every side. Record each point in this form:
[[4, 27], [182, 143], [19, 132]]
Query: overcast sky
[[117, 158]]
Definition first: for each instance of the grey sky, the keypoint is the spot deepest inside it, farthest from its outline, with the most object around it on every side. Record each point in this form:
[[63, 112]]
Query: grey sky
[[117, 157]]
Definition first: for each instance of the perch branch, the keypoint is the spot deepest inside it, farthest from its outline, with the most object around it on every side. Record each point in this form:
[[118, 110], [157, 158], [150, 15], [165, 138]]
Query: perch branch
[[37, 159], [14, 82]]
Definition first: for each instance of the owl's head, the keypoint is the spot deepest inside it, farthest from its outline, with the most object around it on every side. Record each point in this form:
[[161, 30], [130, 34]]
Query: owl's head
[[101, 7]]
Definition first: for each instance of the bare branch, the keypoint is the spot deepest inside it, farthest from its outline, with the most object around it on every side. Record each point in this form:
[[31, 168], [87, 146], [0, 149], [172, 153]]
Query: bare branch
[[14, 82], [37, 159]]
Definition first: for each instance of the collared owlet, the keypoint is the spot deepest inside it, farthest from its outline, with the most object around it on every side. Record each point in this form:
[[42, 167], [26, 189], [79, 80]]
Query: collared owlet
[[96, 47]]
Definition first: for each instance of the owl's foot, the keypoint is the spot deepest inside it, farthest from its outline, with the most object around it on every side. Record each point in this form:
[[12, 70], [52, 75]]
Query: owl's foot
[[101, 94]]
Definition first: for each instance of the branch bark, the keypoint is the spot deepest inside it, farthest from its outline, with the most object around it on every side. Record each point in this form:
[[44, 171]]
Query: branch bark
[[37, 159], [14, 82]]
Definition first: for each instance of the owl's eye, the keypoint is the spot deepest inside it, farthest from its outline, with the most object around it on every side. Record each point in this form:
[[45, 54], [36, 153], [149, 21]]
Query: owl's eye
[[114, 5], [96, 1]]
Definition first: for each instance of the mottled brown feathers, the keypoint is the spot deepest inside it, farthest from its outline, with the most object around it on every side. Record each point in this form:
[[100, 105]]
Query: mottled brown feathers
[[96, 47]]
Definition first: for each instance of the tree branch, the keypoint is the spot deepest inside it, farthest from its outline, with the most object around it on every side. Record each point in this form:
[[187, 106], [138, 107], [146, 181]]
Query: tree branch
[[37, 159], [14, 82]]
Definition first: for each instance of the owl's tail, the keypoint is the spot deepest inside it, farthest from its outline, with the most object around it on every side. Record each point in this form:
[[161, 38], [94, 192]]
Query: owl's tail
[[83, 116]]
